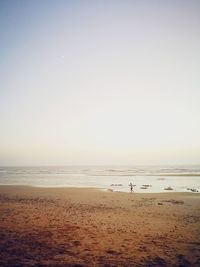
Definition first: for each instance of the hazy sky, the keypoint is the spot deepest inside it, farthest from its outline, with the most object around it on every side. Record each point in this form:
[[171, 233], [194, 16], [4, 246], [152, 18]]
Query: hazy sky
[[99, 82]]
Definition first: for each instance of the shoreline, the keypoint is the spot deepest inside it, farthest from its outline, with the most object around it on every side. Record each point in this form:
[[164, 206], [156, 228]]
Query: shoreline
[[90, 227], [106, 190]]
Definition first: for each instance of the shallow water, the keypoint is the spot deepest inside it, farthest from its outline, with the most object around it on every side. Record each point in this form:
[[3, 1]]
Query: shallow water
[[116, 178]]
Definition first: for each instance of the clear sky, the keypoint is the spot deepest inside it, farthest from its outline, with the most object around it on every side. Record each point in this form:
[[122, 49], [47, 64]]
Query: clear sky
[[99, 82]]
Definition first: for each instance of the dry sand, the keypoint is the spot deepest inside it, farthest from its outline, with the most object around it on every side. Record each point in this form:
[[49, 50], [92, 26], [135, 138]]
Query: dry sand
[[87, 227]]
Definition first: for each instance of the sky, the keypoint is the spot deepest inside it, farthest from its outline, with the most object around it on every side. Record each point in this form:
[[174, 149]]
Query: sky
[[99, 82]]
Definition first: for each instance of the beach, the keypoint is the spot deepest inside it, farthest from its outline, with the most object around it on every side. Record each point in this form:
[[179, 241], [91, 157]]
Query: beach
[[90, 227]]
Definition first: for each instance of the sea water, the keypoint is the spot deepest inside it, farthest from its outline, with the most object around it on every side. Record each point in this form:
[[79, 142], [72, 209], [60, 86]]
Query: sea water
[[148, 179]]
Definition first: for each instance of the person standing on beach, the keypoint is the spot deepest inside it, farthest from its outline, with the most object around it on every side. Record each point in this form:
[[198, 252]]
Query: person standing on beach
[[131, 187]]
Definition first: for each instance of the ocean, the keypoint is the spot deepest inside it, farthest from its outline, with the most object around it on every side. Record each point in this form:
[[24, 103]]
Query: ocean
[[145, 179]]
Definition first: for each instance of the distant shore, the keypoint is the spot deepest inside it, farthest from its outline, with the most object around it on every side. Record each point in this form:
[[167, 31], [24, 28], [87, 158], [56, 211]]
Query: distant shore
[[90, 227], [144, 179]]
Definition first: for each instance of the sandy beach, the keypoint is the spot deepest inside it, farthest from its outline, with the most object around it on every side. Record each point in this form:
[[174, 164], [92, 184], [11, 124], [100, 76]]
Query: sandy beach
[[89, 227]]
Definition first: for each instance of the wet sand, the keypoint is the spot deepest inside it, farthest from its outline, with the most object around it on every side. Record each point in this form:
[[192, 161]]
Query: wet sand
[[88, 227]]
